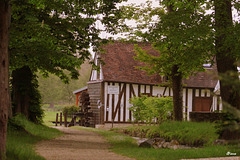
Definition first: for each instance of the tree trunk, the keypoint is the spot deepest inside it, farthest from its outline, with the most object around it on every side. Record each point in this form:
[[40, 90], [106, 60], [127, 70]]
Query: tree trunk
[[21, 91], [177, 94], [226, 62], [4, 73], [176, 85], [26, 105]]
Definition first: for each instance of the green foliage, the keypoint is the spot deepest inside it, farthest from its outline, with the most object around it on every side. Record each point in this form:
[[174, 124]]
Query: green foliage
[[25, 93], [161, 108], [138, 107], [230, 121], [23, 134], [148, 108], [183, 36], [70, 110], [53, 36], [181, 32], [35, 110]]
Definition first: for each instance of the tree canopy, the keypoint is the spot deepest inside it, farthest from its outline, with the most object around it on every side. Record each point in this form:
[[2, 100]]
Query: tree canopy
[[49, 35], [53, 37], [182, 34]]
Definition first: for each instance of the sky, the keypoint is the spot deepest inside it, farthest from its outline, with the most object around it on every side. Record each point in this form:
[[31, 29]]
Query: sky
[[155, 3]]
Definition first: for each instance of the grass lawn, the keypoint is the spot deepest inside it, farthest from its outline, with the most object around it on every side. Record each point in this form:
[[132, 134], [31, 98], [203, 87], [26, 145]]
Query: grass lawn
[[127, 146], [23, 135], [50, 116]]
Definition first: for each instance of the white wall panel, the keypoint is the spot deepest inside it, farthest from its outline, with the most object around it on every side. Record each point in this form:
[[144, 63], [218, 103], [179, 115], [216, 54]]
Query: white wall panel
[[190, 92], [203, 91], [208, 93], [148, 89], [105, 100], [127, 102], [142, 88], [197, 92]]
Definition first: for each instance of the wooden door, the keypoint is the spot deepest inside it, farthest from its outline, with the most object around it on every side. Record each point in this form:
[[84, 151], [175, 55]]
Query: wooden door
[[202, 104]]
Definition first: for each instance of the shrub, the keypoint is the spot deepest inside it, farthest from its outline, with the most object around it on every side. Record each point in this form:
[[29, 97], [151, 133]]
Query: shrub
[[138, 108], [158, 107], [70, 110], [149, 108], [191, 133], [187, 133]]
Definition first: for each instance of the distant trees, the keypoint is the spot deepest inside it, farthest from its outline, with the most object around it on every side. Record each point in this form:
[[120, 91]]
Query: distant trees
[[54, 91], [4, 73]]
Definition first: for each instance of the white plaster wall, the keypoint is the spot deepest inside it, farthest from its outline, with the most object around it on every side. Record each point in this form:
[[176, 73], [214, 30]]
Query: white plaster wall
[[127, 101], [105, 100], [190, 91], [157, 90], [148, 89], [101, 72], [142, 89], [135, 88], [93, 75]]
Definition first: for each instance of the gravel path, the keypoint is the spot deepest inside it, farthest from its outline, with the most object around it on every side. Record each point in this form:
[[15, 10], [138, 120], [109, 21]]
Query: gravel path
[[77, 145]]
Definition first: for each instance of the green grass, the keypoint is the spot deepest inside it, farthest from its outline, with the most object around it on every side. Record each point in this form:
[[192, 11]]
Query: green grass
[[55, 108], [127, 146], [49, 116], [23, 135]]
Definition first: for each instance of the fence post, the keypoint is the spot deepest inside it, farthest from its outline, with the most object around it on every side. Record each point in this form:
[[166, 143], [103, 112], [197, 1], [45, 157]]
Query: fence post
[[61, 119], [81, 121], [56, 119], [65, 119]]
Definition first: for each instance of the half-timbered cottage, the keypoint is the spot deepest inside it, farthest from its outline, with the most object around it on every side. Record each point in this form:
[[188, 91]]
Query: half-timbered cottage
[[118, 80]]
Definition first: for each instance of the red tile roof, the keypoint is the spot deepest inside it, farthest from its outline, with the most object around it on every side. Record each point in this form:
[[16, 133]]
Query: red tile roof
[[120, 66], [202, 79]]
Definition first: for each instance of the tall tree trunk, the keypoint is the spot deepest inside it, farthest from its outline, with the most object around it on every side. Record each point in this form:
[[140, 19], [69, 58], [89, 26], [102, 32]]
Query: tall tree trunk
[[21, 89], [4, 73], [177, 94], [226, 62], [177, 87]]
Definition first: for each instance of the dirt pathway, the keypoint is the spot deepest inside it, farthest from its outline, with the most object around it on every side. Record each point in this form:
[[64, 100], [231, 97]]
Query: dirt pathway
[[77, 145]]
